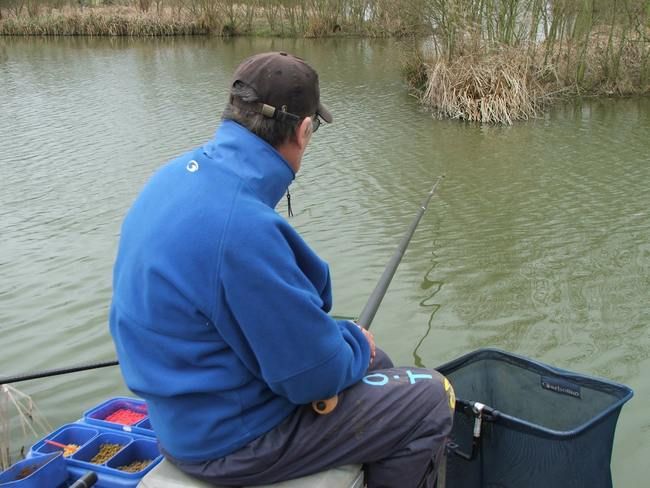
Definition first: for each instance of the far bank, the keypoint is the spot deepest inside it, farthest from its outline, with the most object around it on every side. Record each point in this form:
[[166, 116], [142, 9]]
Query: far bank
[[486, 62]]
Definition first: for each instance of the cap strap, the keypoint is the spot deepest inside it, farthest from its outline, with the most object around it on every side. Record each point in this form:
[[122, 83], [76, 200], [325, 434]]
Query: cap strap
[[277, 114], [266, 110]]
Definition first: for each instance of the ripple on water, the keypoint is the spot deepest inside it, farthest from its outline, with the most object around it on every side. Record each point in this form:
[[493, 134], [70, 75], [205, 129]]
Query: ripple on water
[[536, 241]]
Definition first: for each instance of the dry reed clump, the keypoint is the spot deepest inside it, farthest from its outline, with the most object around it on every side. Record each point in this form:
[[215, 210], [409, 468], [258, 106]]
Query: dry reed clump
[[497, 88]]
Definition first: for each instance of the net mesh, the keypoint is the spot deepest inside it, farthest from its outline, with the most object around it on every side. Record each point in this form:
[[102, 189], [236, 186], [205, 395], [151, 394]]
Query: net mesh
[[554, 427]]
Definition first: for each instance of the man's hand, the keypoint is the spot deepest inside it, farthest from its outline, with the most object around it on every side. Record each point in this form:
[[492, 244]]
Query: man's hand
[[371, 342]]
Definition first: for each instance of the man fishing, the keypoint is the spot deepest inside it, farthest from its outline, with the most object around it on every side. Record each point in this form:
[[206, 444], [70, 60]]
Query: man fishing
[[220, 313]]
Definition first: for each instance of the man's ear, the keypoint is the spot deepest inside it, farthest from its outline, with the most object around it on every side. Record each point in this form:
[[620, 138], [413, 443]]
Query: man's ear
[[303, 132]]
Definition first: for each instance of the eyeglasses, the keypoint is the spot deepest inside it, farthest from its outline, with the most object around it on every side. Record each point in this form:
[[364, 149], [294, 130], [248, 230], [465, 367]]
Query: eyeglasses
[[315, 123]]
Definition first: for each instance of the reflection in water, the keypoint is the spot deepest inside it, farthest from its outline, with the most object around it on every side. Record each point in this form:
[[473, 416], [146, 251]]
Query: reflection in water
[[536, 242], [432, 288]]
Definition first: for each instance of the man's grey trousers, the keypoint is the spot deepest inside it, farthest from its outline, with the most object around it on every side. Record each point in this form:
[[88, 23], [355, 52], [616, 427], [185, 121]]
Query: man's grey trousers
[[394, 422]]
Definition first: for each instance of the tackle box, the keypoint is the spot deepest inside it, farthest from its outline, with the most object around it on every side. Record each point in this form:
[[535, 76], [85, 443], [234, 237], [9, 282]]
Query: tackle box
[[133, 448]]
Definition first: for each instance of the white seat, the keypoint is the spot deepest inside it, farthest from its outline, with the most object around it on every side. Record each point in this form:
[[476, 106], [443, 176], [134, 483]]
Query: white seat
[[166, 475]]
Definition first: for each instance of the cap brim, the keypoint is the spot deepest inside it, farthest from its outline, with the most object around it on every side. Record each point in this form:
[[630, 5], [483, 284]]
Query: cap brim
[[324, 113]]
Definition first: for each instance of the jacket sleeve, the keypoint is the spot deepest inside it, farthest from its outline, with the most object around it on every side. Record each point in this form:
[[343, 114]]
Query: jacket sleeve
[[302, 353]]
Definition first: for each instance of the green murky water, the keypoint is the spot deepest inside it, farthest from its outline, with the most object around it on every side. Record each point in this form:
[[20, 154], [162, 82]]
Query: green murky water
[[538, 242]]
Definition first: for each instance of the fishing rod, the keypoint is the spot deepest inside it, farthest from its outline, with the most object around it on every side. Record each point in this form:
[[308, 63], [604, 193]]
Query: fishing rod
[[372, 305], [55, 372]]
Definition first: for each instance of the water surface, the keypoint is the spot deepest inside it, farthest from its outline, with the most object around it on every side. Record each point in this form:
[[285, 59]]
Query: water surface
[[537, 242]]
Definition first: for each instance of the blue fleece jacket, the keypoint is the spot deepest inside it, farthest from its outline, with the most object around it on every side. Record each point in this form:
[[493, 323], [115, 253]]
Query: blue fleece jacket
[[220, 309]]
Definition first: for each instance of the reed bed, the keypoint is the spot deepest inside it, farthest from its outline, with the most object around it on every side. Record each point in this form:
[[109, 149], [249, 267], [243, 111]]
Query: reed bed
[[287, 18], [124, 21]]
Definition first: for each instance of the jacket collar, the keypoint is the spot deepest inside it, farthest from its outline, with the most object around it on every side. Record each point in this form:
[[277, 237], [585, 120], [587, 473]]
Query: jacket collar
[[255, 161]]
